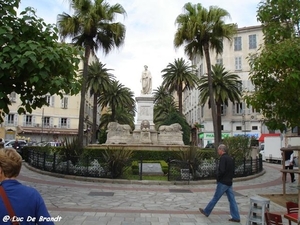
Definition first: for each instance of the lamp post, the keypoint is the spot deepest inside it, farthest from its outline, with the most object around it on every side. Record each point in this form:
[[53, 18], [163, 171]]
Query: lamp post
[[244, 123]]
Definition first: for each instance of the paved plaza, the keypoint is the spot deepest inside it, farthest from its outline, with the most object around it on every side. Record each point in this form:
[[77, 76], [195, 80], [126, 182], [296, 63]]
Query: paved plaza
[[116, 202]]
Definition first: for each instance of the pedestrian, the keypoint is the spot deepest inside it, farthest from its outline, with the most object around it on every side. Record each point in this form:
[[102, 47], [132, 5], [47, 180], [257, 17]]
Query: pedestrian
[[16, 145], [224, 185], [289, 163], [27, 205]]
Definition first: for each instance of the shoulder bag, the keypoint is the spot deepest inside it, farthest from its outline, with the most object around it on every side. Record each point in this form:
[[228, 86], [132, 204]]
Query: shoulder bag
[[8, 205]]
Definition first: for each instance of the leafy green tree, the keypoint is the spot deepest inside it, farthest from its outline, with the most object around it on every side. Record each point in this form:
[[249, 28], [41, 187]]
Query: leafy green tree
[[117, 96], [31, 60], [201, 30], [178, 76], [164, 105], [275, 69], [98, 81], [92, 26], [225, 86]]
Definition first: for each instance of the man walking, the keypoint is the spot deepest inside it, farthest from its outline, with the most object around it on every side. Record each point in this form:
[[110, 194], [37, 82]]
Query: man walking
[[224, 185]]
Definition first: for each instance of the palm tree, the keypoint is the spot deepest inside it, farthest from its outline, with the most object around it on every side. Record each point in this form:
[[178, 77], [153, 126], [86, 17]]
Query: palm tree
[[164, 105], [117, 96], [179, 76], [160, 94], [226, 86], [92, 26], [98, 81], [200, 30], [123, 116]]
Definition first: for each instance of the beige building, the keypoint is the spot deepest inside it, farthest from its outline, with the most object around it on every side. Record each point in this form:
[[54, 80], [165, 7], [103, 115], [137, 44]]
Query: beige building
[[49, 123], [237, 118]]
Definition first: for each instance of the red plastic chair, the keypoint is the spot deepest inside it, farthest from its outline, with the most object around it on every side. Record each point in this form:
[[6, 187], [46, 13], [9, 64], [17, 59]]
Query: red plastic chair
[[273, 219], [291, 207]]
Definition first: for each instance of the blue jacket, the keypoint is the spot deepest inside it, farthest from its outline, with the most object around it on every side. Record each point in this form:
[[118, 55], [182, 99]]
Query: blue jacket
[[27, 204]]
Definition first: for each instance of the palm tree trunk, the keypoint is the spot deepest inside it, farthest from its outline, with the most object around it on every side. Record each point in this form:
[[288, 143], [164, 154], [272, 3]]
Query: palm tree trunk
[[94, 127], [82, 95], [217, 139], [179, 93], [219, 120]]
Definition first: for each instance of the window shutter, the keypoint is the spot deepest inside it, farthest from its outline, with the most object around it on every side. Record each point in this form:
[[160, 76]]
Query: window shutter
[[24, 120], [68, 123], [66, 102], [59, 122], [33, 120], [16, 119], [51, 122], [52, 101]]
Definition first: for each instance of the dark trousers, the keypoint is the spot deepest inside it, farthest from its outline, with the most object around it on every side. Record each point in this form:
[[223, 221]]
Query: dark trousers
[[290, 167]]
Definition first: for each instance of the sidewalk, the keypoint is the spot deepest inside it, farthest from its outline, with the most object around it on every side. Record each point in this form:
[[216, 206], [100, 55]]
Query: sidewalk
[[95, 203]]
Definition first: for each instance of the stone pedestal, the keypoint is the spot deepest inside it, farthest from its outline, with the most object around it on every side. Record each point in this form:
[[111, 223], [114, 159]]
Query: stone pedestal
[[145, 107]]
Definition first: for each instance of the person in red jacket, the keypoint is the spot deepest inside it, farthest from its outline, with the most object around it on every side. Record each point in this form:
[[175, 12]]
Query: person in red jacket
[[224, 185]]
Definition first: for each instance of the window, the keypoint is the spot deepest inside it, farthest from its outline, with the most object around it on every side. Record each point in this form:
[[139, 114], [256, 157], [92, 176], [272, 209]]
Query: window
[[295, 130], [63, 122], [240, 86], [238, 127], [50, 100], [220, 61], [223, 110], [238, 63], [237, 43], [13, 96], [238, 109], [46, 121], [254, 127], [28, 120], [10, 118], [252, 41], [222, 127], [64, 102]]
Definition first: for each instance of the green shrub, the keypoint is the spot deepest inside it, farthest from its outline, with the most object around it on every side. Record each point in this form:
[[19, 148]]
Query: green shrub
[[71, 150], [238, 146], [116, 161]]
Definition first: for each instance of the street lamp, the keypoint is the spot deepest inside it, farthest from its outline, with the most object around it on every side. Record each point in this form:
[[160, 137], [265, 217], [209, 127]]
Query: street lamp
[[244, 123]]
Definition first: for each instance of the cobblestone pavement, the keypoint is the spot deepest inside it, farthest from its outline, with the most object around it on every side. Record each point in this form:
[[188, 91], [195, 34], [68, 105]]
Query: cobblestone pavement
[[100, 202]]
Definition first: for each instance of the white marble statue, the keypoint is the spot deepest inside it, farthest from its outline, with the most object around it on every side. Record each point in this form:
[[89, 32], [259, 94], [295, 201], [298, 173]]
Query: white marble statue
[[146, 81]]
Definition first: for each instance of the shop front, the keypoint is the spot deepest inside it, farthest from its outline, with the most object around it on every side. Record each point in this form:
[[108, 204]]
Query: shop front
[[207, 138]]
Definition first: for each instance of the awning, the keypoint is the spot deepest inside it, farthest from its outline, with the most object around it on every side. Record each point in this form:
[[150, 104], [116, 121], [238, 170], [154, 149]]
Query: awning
[[262, 136], [39, 130]]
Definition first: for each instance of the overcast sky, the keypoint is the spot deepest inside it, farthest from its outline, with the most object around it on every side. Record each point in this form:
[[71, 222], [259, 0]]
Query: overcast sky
[[150, 29]]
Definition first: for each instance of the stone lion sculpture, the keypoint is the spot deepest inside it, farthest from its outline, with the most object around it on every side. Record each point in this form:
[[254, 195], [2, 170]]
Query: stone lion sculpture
[[145, 125], [114, 126], [175, 127]]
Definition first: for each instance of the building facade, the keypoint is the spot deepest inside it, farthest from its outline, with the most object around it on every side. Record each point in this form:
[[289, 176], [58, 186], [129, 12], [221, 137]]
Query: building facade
[[49, 123], [237, 118]]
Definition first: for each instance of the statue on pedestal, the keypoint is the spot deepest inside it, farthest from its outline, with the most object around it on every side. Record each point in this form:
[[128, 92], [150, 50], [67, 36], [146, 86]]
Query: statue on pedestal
[[146, 81]]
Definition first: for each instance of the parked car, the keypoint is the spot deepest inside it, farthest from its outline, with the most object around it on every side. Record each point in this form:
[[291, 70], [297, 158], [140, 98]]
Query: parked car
[[52, 144], [210, 145], [11, 143]]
